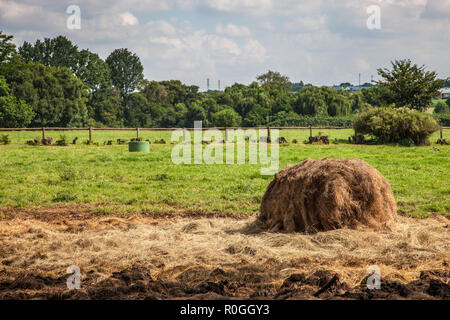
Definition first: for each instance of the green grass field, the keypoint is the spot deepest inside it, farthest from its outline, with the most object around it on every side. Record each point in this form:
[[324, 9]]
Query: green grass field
[[113, 180]]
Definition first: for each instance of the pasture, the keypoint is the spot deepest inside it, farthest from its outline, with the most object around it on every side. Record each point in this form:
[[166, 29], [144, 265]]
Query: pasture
[[109, 179]]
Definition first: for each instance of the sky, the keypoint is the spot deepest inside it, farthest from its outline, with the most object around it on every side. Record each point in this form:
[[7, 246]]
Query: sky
[[323, 42]]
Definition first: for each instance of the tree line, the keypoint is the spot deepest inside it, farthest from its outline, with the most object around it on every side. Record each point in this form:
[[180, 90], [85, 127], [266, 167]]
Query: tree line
[[54, 83]]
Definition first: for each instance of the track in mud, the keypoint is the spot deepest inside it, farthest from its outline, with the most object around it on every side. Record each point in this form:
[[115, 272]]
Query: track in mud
[[138, 257]]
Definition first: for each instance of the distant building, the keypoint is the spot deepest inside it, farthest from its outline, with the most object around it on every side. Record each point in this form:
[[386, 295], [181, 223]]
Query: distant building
[[444, 93]]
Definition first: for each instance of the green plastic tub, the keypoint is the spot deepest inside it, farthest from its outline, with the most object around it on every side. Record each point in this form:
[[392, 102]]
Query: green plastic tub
[[139, 146]]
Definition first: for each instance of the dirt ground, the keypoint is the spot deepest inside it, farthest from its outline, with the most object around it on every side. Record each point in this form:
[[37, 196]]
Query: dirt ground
[[214, 257]]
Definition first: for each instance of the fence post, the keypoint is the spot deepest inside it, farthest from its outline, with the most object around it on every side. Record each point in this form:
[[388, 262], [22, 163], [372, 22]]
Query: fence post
[[310, 131], [184, 134], [43, 133], [268, 135], [442, 135], [226, 134], [90, 133], [137, 133]]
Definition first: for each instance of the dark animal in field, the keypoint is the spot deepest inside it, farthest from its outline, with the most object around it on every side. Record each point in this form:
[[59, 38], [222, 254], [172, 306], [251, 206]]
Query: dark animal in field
[[34, 142], [162, 141], [322, 139], [47, 141], [264, 139], [442, 142], [436, 149], [282, 140], [120, 141], [75, 140]]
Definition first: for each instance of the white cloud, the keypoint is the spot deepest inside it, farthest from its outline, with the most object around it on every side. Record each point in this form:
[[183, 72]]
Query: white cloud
[[307, 24], [255, 7], [320, 41], [233, 30], [127, 19]]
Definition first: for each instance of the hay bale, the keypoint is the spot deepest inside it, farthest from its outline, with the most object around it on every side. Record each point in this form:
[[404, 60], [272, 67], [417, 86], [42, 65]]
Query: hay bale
[[327, 194]]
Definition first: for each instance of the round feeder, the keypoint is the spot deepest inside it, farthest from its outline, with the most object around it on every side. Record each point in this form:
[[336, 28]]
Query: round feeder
[[139, 146]]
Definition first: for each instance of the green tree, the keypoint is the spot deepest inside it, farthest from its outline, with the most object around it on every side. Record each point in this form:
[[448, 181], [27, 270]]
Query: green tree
[[408, 85], [310, 101], [7, 48], [106, 108], [126, 70], [57, 97], [196, 113], [227, 118], [274, 79], [93, 71], [56, 52], [14, 113]]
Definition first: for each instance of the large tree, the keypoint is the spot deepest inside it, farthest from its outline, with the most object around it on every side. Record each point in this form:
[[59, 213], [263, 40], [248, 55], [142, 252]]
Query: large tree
[[56, 52], [56, 96], [126, 71], [274, 79], [409, 85], [13, 112], [7, 48], [93, 71]]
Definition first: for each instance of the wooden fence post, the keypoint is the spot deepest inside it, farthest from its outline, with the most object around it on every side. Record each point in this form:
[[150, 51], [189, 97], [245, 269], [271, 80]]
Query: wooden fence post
[[90, 133], [43, 133], [137, 133], [226, 134], [268, 135], [310, 131], [442, 135], [184, 134]]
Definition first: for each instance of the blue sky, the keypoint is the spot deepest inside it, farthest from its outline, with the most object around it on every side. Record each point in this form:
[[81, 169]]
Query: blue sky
[[321, 42]]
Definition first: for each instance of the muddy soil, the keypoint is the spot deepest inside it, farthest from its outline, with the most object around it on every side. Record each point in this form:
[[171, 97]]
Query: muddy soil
[[194, 257], [137, 283]]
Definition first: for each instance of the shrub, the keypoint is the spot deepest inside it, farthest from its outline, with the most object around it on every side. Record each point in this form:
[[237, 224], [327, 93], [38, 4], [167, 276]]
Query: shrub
[[4, 139], [443, 119], [441, 108], [62, 141], [389, 125]]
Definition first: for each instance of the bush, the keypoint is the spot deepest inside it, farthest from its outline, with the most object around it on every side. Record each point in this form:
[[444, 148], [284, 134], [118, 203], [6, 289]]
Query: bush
[[4, 139], [441, 107], [389, 125], [443, 119], [62, 141]]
